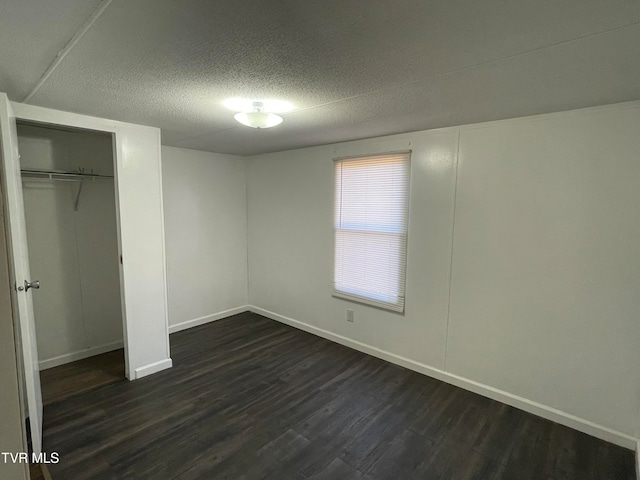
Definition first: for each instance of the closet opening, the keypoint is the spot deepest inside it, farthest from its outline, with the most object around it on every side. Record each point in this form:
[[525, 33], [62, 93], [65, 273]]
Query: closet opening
[[72, 229]]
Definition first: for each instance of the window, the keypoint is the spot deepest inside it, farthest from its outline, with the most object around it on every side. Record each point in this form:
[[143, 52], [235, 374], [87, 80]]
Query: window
[[370, 229]]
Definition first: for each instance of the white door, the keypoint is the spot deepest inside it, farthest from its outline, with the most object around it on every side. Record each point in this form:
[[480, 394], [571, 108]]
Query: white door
[[19, 259]]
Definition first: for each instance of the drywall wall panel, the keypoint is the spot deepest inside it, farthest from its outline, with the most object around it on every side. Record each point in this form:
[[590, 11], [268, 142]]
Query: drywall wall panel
[[291, 244], [98, 261], [544, 300], [139, 186], [206, 233], [53, 254], [44, 148]]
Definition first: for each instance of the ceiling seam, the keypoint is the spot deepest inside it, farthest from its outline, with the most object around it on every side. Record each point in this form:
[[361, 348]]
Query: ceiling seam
[[93, 18], [429, 77], [471, 67]]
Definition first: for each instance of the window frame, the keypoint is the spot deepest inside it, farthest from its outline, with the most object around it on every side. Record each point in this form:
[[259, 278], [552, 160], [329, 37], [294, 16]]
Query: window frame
[[363, 299]]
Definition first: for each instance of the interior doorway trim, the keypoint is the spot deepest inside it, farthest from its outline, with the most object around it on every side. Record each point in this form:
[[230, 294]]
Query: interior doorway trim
[[143, 279]]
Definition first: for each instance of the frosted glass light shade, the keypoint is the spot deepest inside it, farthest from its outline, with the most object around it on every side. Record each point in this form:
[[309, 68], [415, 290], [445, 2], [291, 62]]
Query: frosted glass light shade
[[258, 119]]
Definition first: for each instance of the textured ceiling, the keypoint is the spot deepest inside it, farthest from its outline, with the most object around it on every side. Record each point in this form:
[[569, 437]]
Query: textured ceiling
[[352, 69], [32, 32]]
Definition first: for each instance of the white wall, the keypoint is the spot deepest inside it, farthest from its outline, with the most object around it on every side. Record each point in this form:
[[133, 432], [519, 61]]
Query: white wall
[[74, 254], [206, 235], [542, 307], [545, 299]]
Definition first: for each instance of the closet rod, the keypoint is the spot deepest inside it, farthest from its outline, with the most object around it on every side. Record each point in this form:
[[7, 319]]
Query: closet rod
[[57, 175], [67, 177]]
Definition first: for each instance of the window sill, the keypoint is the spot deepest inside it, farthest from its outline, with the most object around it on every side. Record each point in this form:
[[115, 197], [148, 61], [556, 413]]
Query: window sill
[[369, 302]]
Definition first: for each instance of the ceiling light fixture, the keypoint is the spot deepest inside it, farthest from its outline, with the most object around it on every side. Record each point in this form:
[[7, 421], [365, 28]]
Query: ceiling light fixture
[[243, 104], [258, 118]]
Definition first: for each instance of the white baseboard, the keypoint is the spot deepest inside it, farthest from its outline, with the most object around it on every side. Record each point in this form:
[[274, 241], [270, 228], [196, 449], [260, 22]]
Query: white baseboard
[[79, 355], [152, 368], [530, 406], [207, 318]]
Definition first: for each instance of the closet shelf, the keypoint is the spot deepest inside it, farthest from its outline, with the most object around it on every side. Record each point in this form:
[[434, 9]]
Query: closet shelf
[[60, 175], [80, 176]]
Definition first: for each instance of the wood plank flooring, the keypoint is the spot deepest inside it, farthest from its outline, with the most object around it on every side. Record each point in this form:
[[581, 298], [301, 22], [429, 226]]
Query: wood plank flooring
[[80, 376], [249, 398], [35, 472]]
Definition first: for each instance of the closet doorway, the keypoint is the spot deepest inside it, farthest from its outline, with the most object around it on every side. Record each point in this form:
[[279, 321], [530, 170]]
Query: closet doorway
[[72, 235]]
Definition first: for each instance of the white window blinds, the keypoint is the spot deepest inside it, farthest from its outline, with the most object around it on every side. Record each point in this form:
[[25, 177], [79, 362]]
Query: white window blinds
[[371, 209]]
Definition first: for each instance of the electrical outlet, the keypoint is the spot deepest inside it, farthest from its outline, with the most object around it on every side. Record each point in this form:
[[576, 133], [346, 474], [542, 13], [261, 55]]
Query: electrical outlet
[[349, 315]]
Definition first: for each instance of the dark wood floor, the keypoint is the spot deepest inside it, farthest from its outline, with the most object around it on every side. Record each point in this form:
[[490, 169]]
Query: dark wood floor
[[249, 398], [70, 379], [35, 472]]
